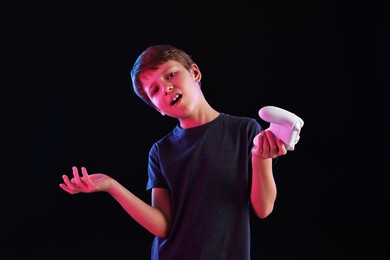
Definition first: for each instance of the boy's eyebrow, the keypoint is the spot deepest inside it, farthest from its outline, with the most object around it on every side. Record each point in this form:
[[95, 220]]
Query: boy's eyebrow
[[146, 75], [149, 73], [168, 67]]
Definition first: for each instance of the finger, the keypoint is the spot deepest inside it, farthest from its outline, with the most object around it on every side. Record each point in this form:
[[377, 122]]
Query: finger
[[76, 175], [67, 181], [272, 144], [281, 147], [256, 140], [265, 149], [86, 177], [65, 188], [69, 186]]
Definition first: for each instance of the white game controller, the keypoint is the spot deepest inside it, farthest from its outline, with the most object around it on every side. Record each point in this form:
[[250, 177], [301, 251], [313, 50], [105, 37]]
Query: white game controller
[[283, 124]]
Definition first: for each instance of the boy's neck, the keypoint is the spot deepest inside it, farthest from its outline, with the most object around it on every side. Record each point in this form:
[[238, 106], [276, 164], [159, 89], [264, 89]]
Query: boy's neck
[[204, 117]]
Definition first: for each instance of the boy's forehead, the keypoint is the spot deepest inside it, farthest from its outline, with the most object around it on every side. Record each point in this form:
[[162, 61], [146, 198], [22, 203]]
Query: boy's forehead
[[168, 64], [147, 74]]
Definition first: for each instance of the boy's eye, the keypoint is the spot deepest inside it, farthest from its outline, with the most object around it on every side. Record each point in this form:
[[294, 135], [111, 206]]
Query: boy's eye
[[154, 91], [170, 75]]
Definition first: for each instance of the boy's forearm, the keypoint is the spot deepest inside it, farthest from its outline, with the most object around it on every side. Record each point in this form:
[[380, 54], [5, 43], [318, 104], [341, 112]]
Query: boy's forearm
[[147, 216], [263, 190]]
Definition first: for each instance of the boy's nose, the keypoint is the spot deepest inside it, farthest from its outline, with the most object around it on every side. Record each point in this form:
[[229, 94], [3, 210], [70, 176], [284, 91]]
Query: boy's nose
[[168, 89]]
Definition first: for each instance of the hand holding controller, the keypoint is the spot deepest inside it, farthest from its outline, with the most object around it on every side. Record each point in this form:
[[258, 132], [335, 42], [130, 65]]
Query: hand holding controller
[[283, 124]]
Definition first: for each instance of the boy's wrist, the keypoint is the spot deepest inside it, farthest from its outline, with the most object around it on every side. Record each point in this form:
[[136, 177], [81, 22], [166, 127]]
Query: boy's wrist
[[257, 155]]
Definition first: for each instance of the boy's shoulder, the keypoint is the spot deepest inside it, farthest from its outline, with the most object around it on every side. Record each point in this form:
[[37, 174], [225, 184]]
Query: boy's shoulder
[[239, 118]]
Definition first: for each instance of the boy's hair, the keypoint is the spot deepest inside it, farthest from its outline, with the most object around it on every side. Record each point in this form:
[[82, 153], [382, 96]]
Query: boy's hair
[[150, 59]]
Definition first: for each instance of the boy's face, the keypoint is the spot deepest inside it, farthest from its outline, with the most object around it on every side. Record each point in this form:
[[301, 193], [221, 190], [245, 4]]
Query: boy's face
[[173, 89]]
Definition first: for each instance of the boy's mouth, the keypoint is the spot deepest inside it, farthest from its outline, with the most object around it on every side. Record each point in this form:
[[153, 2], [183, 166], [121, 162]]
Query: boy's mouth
[[176, 98]]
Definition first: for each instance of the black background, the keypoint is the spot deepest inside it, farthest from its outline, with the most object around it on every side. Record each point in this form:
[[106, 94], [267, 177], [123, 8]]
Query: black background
[[67, 100]]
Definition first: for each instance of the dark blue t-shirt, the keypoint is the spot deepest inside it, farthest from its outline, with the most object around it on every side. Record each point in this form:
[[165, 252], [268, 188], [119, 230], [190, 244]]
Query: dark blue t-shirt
[[207, 172]]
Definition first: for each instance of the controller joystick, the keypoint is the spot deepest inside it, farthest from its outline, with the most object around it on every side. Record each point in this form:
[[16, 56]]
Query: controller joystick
[[283, 124]]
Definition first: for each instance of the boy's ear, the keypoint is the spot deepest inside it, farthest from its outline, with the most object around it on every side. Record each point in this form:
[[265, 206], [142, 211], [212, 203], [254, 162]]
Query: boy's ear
[[196, 72]]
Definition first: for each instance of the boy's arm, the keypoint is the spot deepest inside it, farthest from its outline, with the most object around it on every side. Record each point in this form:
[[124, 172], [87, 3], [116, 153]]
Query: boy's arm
[[156, 218], [263, 190]]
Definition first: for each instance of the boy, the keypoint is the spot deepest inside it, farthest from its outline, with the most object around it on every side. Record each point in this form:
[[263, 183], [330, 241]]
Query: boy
[[205, 176]]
